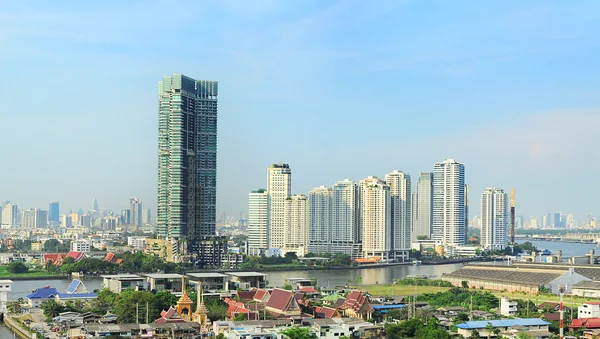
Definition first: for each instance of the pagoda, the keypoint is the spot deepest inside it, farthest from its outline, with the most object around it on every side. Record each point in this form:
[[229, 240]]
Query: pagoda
[[201, 314], [184, 304]]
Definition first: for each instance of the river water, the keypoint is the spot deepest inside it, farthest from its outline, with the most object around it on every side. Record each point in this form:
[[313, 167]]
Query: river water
[[380, 275]]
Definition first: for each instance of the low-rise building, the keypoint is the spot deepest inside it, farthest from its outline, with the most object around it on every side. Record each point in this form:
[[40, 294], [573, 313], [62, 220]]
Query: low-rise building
[[165, 282], [588, 289], [536, 327], [136, 242], [508, 308], [153, 330], [120, 282], [81, 246], [247, 280], [211, 281], [589, 309], [36, 298], [513, 278]]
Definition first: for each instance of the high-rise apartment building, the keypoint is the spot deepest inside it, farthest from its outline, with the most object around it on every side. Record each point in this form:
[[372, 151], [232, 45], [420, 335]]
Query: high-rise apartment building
[[345, 219], [10, 215], [449, 202], [423, 207], [494, 218], [400, 212], [53, 213], [279, 188], [85, 220], [146, 216], [187, 163], [74, 219], [375, 218], [258, 221], [296, 224], [34, 218], [319, 220], [65, 221], [135, 208]]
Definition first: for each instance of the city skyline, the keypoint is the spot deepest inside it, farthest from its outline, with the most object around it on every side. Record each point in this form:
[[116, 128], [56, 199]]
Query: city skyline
[[481, 91]]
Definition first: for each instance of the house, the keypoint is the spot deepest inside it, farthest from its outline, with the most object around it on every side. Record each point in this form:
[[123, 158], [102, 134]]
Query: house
[[590, 309], [551, 316], [247, 280], [357, 305], [40, 295], [83, 296], [165, 282], [120, 282], [508, 327], [282, 303], [451, 311], [548, 306], [211, 281]]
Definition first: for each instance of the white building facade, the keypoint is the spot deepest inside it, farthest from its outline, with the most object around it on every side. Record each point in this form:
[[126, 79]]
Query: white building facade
[[258, 222], [345, 219], [34, 218], [319, 219], [10, 216], [422, 207], [375, 218], [400, 213], [296, 224], [279, 187], [448, 226], [81, 246], [494, 218]]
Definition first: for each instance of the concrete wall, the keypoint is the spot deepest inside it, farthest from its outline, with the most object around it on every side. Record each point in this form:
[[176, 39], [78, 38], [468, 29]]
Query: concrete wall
[[492, 285]]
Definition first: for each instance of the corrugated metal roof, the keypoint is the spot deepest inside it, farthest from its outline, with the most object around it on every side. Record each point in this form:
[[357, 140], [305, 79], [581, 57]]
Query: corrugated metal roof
[[470, 325]]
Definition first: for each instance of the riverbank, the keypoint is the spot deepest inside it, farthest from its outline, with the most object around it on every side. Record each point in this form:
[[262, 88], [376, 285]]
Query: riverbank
[[16, 328]]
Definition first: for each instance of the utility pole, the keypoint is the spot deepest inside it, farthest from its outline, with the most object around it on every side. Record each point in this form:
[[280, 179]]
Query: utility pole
[[561, 310], [137, 313], [471, 309], [147, 312]]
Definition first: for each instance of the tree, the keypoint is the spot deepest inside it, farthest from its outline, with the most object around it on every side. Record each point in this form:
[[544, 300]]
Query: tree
[[464, 284], [17, 267], [52, 309], [287, 286], [14, 306], [298, 333], [524, 335], [240, 317], [221, 336], [461, 317], [490, 329], [474, 335], [290, 257]]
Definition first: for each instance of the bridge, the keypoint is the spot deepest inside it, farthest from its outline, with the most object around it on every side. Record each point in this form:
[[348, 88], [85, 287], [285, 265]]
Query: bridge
[[588, 238]]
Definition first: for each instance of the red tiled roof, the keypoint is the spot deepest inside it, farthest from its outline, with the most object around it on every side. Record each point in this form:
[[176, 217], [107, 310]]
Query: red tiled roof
[[247, 295], [308, 290], [355, 301], [75, 255], [119, 261], [592, 303], [298, 296], [339, 303], [109, 257], [226, 300], [282, 300], [261, 295], [169, 316], [551, 316], [327, 312], [588, 323]]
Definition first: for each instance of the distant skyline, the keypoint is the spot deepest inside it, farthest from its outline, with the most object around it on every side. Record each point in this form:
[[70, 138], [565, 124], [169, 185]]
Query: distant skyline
[[335, 89]]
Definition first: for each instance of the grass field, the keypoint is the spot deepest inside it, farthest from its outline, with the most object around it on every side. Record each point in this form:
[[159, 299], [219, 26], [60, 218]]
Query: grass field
[[386, 290], [402, 290], [4, 273]]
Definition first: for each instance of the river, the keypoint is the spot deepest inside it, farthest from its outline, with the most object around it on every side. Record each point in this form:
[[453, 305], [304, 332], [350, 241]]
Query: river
[[569, 248]]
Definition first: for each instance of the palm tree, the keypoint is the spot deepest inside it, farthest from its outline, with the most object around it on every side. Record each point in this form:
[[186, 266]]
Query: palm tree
[[490, 329]]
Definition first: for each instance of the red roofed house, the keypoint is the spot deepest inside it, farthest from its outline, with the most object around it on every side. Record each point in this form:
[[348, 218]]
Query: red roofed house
[[326, 312], [109, 257], [246, 295], [587, 323], [357, 305], [283, 303], [75, 255]]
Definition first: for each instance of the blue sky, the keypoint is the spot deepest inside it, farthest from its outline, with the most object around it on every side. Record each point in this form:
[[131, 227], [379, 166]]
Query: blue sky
[[336, 89]]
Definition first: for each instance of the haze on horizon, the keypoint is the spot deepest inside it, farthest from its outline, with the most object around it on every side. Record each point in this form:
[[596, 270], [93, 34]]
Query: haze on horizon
[[336, 89]]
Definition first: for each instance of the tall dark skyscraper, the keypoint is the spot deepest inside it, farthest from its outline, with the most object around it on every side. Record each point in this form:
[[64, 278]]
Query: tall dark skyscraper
[[187, 162], [53, 213]]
